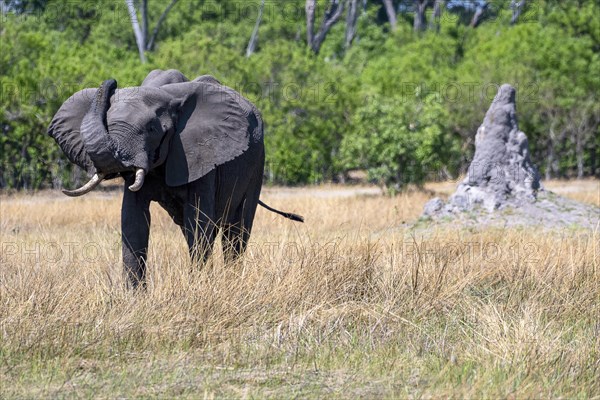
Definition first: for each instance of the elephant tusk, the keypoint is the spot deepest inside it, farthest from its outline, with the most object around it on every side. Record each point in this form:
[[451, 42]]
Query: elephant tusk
[[88, 187], [140, 174]]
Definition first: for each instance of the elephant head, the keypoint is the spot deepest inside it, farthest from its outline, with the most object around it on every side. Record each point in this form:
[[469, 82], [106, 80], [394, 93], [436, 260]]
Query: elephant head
[[191, 127]]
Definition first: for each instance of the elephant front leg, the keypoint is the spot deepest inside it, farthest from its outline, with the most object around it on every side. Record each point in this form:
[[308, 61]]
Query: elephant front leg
[[135, 231]]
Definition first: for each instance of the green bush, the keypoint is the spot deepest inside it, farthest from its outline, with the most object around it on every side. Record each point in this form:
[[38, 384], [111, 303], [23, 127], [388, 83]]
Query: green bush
[[400, 142], [402, 106]]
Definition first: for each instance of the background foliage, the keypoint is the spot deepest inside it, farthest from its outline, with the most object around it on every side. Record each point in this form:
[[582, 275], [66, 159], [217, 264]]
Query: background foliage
[[403, 105]]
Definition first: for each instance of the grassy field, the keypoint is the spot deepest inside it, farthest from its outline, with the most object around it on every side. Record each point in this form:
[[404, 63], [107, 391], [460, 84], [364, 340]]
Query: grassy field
[[350, 304]]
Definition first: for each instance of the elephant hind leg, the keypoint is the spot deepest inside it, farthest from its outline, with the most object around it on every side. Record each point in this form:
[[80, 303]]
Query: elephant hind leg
[[199, 225], [242, 194], [234, 239], [200, 233], [236, 233]]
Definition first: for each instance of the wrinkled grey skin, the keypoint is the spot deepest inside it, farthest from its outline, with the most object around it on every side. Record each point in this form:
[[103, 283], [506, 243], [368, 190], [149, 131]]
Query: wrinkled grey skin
[[199, 144]]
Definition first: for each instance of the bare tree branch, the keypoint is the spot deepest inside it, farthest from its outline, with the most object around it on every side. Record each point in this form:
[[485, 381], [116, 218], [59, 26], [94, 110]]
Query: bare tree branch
[[391, 13], [254, 38], [162, 18], [136, 30]]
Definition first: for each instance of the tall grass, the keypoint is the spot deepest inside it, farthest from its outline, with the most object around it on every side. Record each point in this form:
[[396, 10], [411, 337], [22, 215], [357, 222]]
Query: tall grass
[[348, 304]]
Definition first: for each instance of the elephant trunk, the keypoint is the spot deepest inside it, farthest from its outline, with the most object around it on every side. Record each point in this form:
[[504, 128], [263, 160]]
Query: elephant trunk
[[98, 144]]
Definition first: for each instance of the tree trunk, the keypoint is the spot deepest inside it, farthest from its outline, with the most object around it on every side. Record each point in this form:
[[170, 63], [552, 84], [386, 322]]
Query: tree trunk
[[145, 22], [254, 38], [391, 13], [333, 14], [438, 6], [136, 30], [420, 22], [550, 157], [580, 129], [579, 153], [351, 20], [583, 123], [310, 21], [517, 9], [478, 15], [594, 170]]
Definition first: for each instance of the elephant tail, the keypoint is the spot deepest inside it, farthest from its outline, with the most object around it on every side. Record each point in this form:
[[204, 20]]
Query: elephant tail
[[293, 217]]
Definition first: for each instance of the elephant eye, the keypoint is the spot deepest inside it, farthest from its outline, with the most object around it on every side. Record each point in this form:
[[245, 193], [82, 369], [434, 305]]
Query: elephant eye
[[152, 127]]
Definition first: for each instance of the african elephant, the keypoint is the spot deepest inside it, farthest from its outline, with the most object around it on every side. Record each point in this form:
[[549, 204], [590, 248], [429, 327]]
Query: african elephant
[[195, 147]]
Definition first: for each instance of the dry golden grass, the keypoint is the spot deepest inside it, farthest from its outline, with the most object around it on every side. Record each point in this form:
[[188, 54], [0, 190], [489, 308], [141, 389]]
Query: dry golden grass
[[346, 305]]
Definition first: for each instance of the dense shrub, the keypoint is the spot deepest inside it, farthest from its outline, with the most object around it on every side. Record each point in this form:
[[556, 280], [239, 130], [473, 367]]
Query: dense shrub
[[402, 105]]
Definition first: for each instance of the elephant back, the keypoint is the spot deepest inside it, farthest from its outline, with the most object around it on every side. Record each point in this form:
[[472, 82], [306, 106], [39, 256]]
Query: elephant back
[[158, 78]]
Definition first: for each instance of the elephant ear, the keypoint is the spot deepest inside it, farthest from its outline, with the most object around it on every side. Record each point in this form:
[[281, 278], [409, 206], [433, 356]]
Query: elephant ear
[[215, 124], [66, 124], [158, 78]]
